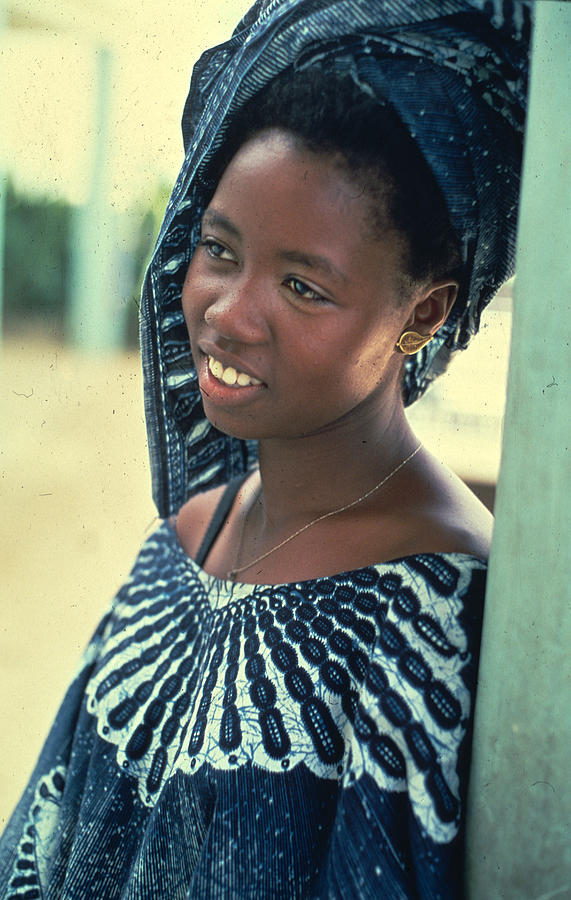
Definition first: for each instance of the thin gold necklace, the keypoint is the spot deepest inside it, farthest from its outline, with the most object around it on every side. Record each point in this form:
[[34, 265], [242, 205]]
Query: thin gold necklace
[[237, 569]]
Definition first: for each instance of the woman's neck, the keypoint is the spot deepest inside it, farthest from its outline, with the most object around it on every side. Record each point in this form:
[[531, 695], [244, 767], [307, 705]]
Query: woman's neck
[[306, 476]]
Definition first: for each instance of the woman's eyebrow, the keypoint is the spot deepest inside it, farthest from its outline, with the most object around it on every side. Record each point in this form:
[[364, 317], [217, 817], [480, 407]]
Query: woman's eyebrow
[[214, 219], [313, 261]]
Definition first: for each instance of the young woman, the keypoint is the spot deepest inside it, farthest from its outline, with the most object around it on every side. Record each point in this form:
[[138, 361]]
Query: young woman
[[279, 702]]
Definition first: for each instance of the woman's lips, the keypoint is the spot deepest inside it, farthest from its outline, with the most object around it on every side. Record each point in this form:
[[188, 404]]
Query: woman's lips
[[237, 388]]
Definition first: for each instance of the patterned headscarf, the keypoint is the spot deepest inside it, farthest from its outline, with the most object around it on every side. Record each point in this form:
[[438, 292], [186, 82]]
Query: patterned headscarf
[[455, 71]]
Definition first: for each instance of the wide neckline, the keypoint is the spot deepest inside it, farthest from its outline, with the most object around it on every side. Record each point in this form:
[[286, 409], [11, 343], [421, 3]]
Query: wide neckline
[[229, 585]]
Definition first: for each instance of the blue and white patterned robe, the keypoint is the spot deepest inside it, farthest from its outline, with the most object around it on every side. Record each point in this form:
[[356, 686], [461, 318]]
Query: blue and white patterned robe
[[226, 740]]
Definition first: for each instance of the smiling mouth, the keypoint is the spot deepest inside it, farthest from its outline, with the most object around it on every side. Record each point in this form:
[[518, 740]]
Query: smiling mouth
[[229, 375]]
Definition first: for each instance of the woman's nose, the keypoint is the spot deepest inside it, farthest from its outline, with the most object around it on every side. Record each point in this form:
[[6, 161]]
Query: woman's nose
[[239, 314]]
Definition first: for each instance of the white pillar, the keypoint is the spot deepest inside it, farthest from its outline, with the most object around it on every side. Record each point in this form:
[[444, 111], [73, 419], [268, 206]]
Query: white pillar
[[96, 318], [519, 810], [3, 190]]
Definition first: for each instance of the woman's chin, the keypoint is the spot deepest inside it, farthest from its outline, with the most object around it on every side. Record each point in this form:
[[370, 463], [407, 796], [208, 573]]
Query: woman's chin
[[232, 426]]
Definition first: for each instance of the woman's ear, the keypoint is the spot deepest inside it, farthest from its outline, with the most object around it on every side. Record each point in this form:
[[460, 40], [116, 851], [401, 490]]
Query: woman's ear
[[432, 308]]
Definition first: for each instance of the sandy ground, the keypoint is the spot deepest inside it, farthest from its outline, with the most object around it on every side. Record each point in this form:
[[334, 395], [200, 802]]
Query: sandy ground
[[75, 506], [75, 501]]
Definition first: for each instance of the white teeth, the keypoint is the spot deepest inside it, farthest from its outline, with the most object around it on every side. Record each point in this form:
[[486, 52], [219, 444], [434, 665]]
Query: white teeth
[[216, 367], [230, 375]]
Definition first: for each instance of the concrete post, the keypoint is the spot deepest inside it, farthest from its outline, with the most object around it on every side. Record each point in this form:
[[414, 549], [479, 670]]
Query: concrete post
[[519, 811], [3, 190], [96, 318]]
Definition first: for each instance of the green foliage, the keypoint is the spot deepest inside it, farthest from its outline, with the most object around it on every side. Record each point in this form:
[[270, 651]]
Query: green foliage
[[37, 259]]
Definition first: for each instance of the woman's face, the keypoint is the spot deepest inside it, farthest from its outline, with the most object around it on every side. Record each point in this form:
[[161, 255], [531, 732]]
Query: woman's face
[[292, 303]]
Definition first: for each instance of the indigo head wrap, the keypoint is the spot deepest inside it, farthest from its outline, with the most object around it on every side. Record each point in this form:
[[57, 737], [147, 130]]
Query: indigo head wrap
[[455, 71]]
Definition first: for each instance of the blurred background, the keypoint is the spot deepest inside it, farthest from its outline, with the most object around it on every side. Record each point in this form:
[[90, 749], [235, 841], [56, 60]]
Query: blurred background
[[90, 145]]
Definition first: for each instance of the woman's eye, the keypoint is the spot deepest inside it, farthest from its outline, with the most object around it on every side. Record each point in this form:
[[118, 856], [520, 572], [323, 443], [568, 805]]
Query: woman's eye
[[301, 289], [215, 250]]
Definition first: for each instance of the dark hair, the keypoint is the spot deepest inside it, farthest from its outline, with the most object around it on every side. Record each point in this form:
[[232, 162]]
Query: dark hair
[[331, 114]]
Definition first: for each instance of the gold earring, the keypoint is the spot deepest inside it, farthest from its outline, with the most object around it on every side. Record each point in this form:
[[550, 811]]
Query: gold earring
[[411, 342]]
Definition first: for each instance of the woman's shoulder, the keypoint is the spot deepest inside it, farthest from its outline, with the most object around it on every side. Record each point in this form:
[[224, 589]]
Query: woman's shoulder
[[194, 517], [447, 517], [437, 513]]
